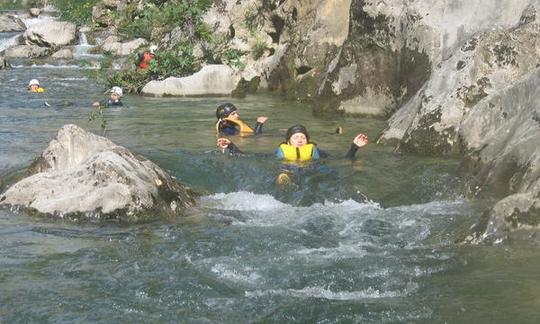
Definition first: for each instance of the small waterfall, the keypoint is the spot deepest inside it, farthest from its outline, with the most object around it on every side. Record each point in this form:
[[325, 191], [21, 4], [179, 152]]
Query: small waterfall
[[82, 39], [82, 50]]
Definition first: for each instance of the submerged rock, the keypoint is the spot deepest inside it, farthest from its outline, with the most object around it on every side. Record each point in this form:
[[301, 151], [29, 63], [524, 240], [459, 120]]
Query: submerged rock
[[82, 175]]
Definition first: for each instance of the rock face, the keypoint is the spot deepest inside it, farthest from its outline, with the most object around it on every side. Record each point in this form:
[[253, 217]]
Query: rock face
[[52, 34], [484, 65], [84, 175], [502, 134], [210, 80]]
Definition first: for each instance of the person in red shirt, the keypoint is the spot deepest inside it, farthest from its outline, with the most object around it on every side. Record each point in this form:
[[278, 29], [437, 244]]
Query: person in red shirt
[[146, 57]]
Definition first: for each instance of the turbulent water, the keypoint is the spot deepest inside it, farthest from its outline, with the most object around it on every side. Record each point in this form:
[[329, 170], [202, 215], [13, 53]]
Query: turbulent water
[[354, 242]]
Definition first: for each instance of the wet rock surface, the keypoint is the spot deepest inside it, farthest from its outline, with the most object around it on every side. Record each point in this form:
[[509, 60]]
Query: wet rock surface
[[84, 176]]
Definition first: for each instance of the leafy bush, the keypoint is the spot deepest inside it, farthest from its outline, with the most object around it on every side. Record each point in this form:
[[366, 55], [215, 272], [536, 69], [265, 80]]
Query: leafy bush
[[176, 62], [16, 5], [232, 56], [154, 19], [76, 11]]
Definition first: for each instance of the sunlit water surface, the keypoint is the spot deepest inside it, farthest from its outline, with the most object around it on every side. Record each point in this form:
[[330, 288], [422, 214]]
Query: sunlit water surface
[[354, 242]]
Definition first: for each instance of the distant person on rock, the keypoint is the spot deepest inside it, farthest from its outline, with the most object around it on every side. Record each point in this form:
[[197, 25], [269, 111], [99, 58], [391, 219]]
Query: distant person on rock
[[296, 150], [33, 86], [229, 122], [146, 57], [115, 94]]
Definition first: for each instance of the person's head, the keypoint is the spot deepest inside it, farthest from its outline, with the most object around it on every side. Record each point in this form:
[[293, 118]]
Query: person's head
[[227, 110], [297, 136], [116, 93], [33, 84], [152, 49]]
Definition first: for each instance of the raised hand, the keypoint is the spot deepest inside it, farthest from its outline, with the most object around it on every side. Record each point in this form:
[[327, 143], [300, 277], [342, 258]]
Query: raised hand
[[360, 140], [223, 142]]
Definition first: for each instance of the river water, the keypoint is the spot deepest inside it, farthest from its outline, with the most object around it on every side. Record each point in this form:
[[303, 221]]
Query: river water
[[369, 241]]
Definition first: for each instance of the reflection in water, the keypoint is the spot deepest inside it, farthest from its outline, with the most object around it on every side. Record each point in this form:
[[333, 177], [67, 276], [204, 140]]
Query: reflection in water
[[369, 240]]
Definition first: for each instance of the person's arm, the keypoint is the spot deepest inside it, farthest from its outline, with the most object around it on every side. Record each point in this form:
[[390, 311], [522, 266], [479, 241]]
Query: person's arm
[[260, 122], [103, 103], [226, 144], [359, 141], [279, 154]]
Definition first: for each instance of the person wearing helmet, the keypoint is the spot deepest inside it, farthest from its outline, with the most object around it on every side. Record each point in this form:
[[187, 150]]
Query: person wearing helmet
[[296, 150], [229, 122], [146, 57], [297, 146], [115, 94], [33, 86]]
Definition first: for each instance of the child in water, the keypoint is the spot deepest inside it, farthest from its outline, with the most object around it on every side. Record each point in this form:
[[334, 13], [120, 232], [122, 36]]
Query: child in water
[[113, 100], [229, 122], [33, 86], [296, 148]]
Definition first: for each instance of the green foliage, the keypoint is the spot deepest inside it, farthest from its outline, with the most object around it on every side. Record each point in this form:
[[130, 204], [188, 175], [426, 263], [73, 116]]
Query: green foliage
[[176, 62], [258, 48], [76, 11], [129, 80], [16, 5], [97, 114], [154, 19], [232, 57]]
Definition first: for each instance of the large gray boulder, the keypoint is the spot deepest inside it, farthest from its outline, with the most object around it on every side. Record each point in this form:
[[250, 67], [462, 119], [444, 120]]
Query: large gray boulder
[[215, 79], [10, 23], [52, 34], [122, 48], [84, 175], [26, 51]]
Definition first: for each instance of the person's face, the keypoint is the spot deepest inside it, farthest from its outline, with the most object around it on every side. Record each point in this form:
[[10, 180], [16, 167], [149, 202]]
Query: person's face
[[115, 96], [298, 139], [34, 87], [234, 115]]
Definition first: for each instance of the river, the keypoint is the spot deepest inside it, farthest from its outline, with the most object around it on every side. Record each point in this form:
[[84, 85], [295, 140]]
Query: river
[[369, 241]]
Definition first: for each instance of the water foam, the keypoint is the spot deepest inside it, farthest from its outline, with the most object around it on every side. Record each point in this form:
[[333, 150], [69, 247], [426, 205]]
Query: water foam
[[242, 201], [320, 292]]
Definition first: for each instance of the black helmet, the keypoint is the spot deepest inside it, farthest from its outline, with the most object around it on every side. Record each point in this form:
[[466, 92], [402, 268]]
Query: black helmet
[[224, 110], [296, 129]]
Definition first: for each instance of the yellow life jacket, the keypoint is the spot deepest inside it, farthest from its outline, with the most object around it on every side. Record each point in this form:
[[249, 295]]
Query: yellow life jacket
[[303, 153], [38, 90], [243, 127]]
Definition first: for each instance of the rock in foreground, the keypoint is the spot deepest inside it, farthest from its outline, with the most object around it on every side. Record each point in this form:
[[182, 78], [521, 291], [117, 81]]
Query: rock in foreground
[[84, 175]]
